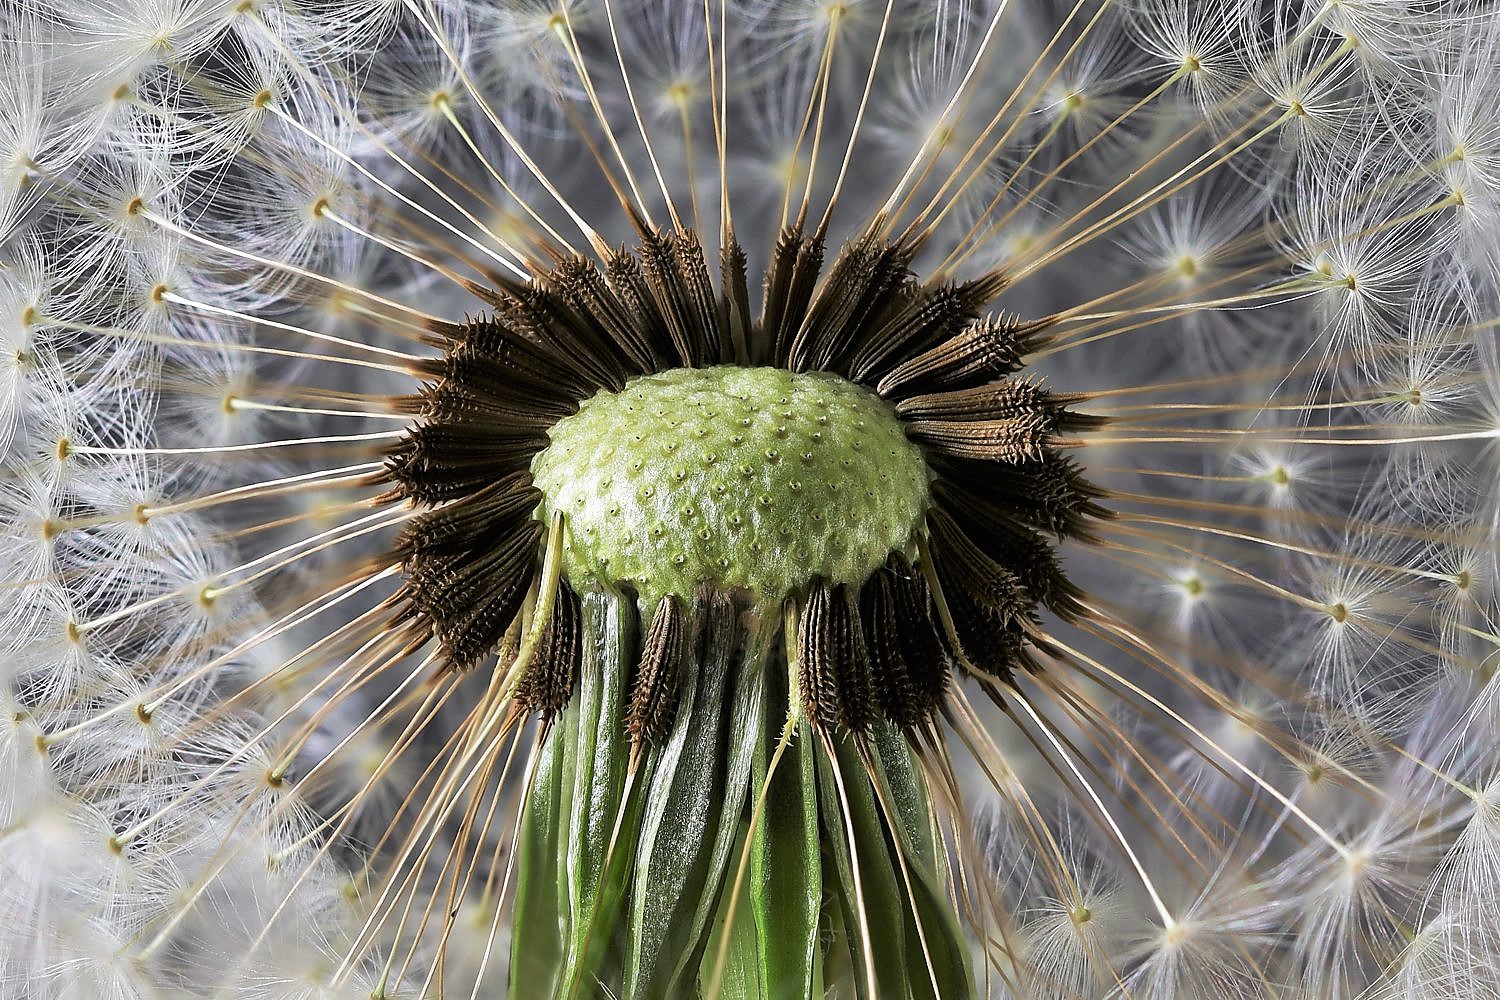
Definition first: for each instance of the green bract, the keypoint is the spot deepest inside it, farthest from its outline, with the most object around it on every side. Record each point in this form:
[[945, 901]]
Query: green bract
[[754, 478]]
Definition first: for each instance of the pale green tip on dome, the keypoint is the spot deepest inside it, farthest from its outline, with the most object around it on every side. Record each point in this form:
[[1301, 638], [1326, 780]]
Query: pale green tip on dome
[[754, 478]]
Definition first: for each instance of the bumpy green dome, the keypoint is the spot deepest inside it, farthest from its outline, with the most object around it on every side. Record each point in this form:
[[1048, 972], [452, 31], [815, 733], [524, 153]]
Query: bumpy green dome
[[755, 478]]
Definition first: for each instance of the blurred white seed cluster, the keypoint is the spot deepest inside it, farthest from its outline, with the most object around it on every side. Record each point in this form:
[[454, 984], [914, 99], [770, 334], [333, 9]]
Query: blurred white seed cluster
[[217, 230]]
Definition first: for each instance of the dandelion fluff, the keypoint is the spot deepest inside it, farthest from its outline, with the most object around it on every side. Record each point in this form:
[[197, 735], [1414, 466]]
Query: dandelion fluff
[[780, 499]]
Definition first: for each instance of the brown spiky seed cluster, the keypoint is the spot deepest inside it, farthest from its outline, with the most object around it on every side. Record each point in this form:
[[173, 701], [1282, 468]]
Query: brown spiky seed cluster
[[1002, 491]]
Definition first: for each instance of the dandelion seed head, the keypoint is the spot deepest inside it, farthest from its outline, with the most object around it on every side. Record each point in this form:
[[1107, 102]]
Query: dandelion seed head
[[346, 654]]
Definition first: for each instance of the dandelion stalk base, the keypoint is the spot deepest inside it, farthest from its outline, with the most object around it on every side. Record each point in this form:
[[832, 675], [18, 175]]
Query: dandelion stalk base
[[669, 877]]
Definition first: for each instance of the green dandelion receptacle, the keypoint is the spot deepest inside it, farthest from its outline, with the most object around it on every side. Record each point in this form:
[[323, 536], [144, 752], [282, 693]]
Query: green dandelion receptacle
[[755, 479]]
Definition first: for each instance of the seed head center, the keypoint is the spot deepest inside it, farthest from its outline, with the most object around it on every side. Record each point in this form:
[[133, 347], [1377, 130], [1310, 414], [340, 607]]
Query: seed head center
[[759, 479]]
